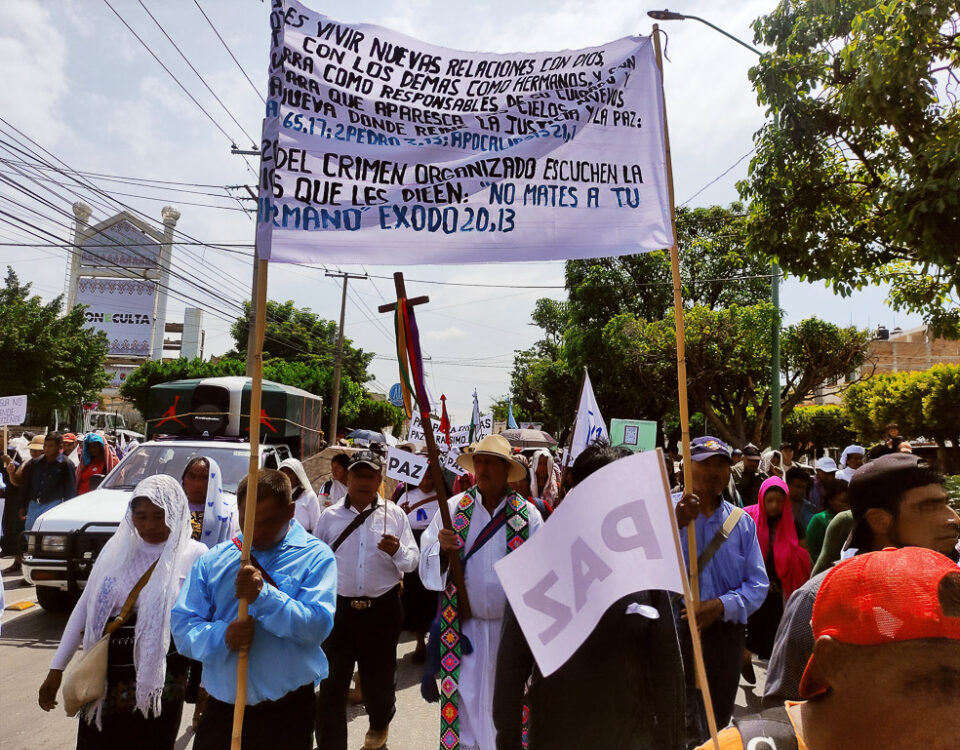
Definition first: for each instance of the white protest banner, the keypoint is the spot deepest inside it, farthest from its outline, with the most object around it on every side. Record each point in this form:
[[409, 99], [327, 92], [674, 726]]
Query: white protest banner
[[409, 468], [379, 148], [459, 434], [612, 535], [13, 410]]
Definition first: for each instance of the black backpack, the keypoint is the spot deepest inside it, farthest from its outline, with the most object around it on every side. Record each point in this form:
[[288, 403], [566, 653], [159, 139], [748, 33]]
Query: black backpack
[[769, 730]]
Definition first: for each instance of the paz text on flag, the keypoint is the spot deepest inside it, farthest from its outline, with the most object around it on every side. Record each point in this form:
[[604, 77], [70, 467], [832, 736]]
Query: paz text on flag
[[611, 536]]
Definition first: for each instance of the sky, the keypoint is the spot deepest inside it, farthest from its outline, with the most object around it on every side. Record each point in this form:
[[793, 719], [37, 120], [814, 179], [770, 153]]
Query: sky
[[80, 84]]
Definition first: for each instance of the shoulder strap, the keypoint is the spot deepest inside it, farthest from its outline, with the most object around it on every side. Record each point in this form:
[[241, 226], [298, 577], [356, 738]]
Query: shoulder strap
[[351, 527], [770, 730], [127, 608], [719, 538], [325, 490], [422, 502], [255, 563], [486, 533]]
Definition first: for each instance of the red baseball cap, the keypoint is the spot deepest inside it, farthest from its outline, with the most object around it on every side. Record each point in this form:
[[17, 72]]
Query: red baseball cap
[[886, 597]]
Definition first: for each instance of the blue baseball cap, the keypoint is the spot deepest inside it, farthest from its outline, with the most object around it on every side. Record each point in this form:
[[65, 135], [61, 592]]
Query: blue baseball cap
[[705, 447]]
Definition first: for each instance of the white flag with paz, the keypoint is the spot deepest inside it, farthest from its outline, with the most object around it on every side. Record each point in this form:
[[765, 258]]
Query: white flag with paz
[[613, 534], [589, 426]]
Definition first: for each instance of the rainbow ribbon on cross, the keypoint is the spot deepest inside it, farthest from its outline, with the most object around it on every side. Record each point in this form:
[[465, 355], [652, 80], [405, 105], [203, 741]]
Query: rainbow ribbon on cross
[[411, 360]]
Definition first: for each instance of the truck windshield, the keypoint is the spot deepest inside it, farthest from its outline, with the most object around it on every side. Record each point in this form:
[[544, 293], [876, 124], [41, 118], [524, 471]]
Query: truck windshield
[[170, 458]]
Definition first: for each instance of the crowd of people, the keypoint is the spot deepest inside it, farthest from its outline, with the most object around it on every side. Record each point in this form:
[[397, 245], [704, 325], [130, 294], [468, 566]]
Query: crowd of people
[[843, 575]]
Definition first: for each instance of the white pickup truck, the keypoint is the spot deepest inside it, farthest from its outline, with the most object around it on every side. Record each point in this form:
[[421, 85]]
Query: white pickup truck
[[59, 551]]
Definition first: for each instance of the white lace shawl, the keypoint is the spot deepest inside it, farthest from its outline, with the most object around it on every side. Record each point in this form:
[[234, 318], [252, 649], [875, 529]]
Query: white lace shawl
[[124, 558]]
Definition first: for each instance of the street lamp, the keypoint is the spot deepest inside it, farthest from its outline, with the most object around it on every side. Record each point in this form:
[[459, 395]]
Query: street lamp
[[775, 421]]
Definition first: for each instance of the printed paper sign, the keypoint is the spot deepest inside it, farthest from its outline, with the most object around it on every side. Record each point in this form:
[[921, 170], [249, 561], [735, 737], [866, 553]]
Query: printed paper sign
[[406, 467], [13, 410], [379, 148], [450, 462], [613, 534], [633, 434]]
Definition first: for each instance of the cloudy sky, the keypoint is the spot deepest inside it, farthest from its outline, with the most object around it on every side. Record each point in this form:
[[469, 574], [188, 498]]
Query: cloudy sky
[[80, 84]]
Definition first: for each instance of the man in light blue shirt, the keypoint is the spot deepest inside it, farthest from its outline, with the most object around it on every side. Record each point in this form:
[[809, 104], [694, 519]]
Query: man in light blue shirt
[[733, 584], [291, 589]]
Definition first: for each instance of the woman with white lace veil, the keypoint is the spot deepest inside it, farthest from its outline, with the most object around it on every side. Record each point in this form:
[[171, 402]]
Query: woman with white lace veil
[[145, 676]]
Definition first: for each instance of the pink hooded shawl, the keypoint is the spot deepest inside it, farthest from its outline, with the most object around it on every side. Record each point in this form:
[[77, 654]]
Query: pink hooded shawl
[[791, 560]]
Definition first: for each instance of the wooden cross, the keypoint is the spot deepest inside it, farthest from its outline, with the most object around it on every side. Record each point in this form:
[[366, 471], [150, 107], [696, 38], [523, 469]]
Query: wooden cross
[[453, 559]]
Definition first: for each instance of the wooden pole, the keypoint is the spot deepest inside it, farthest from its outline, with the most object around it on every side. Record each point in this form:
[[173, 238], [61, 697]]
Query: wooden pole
[[250, 509], [692, 592], [681, 345], [701, 670], [436, 469]]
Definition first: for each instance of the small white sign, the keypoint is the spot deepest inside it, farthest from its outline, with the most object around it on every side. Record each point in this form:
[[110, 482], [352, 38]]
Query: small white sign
[[450, 462], [614, 534], [13, 410], [406, 467]]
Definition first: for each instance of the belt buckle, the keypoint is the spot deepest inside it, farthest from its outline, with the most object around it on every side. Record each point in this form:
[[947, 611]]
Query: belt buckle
[[359, 603]]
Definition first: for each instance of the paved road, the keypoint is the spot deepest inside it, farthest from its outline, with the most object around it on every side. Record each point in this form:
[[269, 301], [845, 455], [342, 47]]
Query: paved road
[[29, 639]]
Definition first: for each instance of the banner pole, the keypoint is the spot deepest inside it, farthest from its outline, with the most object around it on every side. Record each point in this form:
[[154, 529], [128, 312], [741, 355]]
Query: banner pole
[[249, 518], [701, 670], [691, 591]]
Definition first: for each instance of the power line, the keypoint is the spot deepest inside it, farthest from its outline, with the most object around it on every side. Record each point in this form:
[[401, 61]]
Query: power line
[[202, 79], [176, 80], [230, 52]]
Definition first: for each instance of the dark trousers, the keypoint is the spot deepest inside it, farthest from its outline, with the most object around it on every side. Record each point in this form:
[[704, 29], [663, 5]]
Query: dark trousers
[[368, 639], [722, 644], [269, 725]]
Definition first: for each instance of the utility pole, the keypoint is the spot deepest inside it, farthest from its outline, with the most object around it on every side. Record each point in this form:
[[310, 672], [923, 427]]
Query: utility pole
[[338, 362], [252, 318]]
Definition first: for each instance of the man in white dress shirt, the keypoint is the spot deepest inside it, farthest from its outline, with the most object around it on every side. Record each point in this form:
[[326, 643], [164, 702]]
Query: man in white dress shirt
[[374, 547], [501, 520]]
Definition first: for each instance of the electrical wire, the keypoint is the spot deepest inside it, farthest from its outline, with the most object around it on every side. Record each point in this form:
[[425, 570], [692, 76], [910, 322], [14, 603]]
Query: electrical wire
[[230, 52]]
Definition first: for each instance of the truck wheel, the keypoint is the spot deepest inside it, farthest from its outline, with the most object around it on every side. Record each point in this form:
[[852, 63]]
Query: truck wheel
[[54, 600]]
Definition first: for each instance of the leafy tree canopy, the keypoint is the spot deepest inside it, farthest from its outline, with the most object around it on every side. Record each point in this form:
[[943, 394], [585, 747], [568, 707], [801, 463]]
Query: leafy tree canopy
[[299, 335], [925, 403], [855, 177], [55, 359], [546, 378]]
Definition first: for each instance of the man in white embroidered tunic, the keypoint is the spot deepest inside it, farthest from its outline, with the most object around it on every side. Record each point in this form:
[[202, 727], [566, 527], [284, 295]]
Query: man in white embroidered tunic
[[489, 520]]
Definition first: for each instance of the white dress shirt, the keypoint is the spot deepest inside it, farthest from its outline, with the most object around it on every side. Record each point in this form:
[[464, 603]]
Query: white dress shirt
[[362, 568], [307, 510], [331, 492], [421, 516]]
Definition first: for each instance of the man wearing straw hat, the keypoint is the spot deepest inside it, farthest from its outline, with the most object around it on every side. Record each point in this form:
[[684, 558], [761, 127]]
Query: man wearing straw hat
[[374, 546], [489, 521]]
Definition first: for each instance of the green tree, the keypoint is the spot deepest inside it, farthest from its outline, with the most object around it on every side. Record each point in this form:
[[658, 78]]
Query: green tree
[[728, 360], [546, 378], [55, 359], [855, 177], [923, 404], [821, 425], [299, 335]]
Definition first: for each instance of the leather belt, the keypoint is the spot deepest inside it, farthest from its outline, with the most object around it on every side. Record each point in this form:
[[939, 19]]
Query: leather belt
[[366, 602]]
